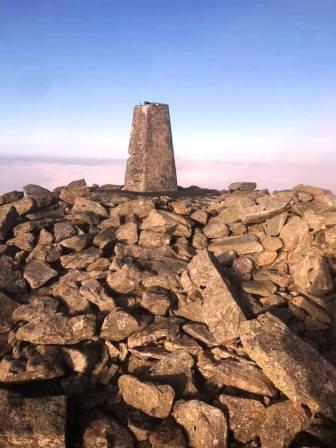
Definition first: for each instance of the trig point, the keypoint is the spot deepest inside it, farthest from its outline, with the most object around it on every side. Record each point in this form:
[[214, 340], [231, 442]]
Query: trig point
[[151, 165]]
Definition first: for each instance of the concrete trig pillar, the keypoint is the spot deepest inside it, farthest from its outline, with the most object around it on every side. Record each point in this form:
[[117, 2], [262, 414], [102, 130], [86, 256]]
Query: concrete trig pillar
[[151, 165]]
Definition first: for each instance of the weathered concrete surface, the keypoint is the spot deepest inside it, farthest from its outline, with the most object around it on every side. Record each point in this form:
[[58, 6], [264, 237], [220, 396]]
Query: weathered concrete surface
[[151, 166]]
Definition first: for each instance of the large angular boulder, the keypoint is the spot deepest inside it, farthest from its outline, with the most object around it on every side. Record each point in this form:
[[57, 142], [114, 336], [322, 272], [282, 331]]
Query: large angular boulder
[[221, 311], [32, 422], [294, 366]]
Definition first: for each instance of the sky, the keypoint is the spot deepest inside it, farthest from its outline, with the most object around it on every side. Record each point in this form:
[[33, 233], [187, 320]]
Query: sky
[[250, 83]]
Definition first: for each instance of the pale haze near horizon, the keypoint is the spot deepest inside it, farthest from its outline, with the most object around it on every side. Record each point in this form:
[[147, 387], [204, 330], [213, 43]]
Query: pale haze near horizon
[[251, 89]]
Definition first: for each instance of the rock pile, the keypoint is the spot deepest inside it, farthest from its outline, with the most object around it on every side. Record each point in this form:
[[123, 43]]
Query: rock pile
[[203, 319]]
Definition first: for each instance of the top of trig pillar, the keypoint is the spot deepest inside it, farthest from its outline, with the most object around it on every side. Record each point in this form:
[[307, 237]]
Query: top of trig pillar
[[151, 165]]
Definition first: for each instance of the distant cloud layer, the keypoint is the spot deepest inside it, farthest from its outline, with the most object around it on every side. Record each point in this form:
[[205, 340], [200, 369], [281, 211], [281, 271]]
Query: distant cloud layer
[[51, 173]]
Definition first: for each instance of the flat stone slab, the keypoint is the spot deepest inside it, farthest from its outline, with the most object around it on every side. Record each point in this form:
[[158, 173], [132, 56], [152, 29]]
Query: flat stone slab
[[221, 312], [293, 366], [32, 422]]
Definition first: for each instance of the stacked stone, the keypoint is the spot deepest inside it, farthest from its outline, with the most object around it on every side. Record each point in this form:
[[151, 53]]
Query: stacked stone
[[201, 319]]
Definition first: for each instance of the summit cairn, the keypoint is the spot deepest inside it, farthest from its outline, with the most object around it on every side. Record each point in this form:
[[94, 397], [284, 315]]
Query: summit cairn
[[151, 165]]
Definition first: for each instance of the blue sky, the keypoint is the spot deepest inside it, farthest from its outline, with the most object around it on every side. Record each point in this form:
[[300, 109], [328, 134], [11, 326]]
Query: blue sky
[[246, 80]]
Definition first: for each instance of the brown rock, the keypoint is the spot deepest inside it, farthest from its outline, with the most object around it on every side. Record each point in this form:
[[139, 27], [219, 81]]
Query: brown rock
[[314, 310], [239, 375], [149, 238], [40, 195], [125, 280], [85, 205], [139, 207], [94, 292], [127, 233], [119, 324], [63, 230], [105, 432], [81, 357], [70, 194], [151, 166], [242, 244], [153, 399], [274, 225], [204, 425], [105, 238], [216, 229], [294, 366], [80, 260], [165, 222], [23, 240], [244, 416], [262, 288], [295, 232], [176, 369], [312, 274], [221, 313], [271, 243], [160, 329], [12, 196], [30, 363], [155, 302], [46, 252], [200, 216], [167, 435], [58, 329], [242, 186], [281, 423], [201, 333], [8, 219], [76, 243], [7, 306], [24, 205], [37, 273], [33, 422]]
